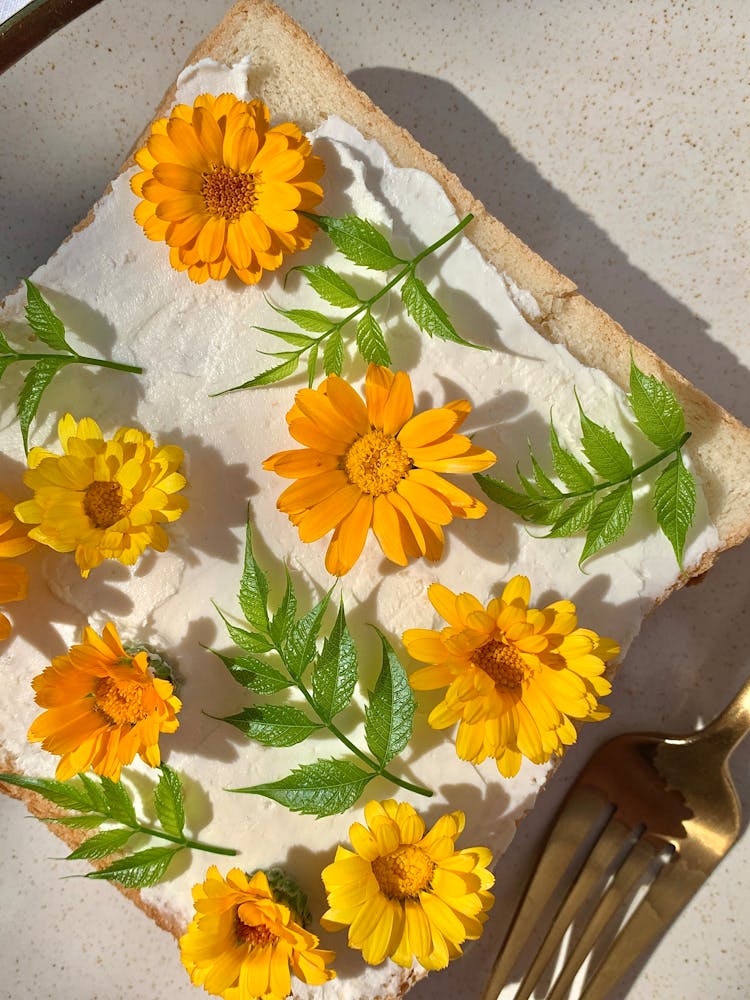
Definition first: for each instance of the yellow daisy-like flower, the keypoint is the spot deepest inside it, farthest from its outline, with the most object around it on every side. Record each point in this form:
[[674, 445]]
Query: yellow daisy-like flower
[[372, 464], [102, 707], [103, 499], [407, 894], [242, 944], [224, 190], [14, 541], [516, 676]]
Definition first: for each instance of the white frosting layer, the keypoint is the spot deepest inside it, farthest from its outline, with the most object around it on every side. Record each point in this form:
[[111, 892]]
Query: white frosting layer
[[117, 295]]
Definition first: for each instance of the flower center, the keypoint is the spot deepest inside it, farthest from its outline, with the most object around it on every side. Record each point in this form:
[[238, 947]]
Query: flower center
[[102, 503], [376, 462], [403, 873], [228, 193], [254, 935], [503, 663], [120, 702]]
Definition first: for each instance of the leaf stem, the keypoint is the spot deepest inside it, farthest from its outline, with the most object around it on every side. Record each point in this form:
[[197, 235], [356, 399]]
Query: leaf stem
[[77, 359], [184, 841]]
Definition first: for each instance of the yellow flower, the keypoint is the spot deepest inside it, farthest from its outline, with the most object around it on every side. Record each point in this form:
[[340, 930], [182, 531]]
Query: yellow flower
[[371, 464], [14, 579], [405, 894], [103, 499], [224, 190], [103, 707], [242, 943], [516, 676]]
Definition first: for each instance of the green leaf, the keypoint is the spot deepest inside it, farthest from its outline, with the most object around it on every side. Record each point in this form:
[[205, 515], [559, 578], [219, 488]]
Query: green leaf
[[269, 377], [300, 646], [251, 642], [576, 517], [94, 793], [330, 286], [312, 362], [120, 808], [101, 845], [286, 612], [253, 595], [674, 503], [306, 319], [656, 409], [36, 381], [61, 793], [253, 674], [573, 473], [43, 321], [87, 822], [605, 453], [333, 354], [544, 484], [6, 362], [323, 788], [139, 870], [533, 509], [389, 717], [274, 725], [360, 242], [169, 803], [289, 337], [427, 312], [335, 672], [371, 342], [609, 520], [5, 347]]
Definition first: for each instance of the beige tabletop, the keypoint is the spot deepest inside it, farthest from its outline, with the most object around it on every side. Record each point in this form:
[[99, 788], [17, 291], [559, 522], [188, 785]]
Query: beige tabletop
[[614, 138]]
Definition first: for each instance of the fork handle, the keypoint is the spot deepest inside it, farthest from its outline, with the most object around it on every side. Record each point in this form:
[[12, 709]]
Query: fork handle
[[731, 725]]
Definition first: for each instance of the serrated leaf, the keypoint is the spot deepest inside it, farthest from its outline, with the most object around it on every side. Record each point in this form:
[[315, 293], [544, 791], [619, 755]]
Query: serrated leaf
[[94, 793], [674, 503], [544, 484], [333, 354], [251, 642], [306, 319], [253, 594], [289, 337], [330, 286], [656, 409], [336, 671], [360, 242], [269, 377], [286, 612], [575, 518], [536, 510], [389, 717], [6, 362], [427, 312], [101, 845], [5, 347], [253, 674], [43, 321], [312, 362], [371, 342], [120, 807], [606, 455], [138, 870], [274, 725], [87, 822], [168, 802], [61, 793], [609, 520], [300, 645], [573, 473], [36, 381], [323, 788]]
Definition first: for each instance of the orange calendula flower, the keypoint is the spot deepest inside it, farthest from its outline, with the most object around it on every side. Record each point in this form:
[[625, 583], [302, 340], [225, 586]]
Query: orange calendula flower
[[102, 707], [243, 943], [372, 464], [224, 190], [14, 541], [407, 894], [103, 499], [516, 676]]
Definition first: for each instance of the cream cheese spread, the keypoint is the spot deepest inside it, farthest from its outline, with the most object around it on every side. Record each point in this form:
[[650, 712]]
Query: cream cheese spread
[[118, 295]]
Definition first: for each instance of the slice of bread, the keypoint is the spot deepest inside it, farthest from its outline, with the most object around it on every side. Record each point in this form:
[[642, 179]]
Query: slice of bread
[[299, 82]]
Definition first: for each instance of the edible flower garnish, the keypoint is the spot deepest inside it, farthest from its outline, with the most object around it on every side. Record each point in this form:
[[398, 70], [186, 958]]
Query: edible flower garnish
[[405, 894], [516, 676], [14, 579], [245, 940], [226, 191], [372, 464], [103, 499], [102, 707]]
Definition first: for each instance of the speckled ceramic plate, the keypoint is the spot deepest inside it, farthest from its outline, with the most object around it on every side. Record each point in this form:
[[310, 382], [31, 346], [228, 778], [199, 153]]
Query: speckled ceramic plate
[[612, 138]]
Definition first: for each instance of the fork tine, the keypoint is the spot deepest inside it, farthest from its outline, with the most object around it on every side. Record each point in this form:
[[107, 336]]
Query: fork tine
[[632, 869], [673, 886], [599, 861], [580, 813]]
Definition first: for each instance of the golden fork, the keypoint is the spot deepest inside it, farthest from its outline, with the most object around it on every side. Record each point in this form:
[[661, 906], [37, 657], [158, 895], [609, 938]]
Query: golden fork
[[661, 812]]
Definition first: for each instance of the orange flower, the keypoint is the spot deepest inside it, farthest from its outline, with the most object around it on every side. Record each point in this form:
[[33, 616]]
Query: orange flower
[[14, 579], [224, 190], [103, 707], [372, 464]]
